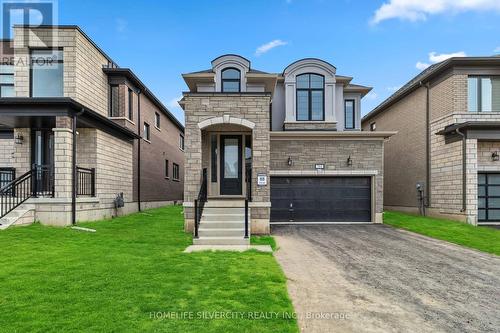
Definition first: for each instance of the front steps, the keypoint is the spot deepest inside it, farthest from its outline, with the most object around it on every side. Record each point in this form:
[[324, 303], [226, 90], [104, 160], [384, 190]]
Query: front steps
[[222, 223], [24, 214]]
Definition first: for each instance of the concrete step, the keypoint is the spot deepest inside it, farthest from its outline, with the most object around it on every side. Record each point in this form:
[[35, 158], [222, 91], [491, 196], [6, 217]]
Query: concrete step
[[221, 241], [222, 225], [224, 210], [225, 203], [222, 217], [24, 215], [221, 232]]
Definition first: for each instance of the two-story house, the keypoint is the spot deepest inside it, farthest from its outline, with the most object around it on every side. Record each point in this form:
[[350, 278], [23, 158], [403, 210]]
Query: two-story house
[[80, 137], [444, 161], [267, 148]]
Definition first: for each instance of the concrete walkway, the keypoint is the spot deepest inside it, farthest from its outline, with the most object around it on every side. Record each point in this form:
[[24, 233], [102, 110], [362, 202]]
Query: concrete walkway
[[374, 278]]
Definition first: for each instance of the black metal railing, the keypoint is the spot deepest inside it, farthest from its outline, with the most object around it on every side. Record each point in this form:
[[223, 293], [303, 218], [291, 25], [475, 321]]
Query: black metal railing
[[7, 175], [16, 192], [85, 182], [248, 197], [199, 203], [248, 180], [43, 180]]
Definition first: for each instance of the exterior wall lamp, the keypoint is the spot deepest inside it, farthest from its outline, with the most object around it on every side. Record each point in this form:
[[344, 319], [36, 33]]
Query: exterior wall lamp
[[290, 162], [495, 157], [19, 139], [349, 161]]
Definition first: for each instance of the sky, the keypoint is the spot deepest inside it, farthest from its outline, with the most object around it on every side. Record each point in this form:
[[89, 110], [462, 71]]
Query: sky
[[381, 43]]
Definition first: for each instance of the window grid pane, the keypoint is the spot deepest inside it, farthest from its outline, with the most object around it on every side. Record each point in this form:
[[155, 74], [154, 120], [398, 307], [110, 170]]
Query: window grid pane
[[302, 105], [349, 114], [317, 105], [472, 94]]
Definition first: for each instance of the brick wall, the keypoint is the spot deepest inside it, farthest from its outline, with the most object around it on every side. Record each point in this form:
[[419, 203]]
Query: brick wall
[[405, 152], [484, 151], [6, 152], [366, 155], [84, 79], [114, 168]]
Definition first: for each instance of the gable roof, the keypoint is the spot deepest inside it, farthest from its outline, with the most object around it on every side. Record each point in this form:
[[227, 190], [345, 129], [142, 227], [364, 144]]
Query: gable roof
[[428, 75]]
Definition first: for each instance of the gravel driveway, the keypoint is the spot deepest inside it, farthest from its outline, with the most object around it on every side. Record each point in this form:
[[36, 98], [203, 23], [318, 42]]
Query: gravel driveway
[[373, 278]]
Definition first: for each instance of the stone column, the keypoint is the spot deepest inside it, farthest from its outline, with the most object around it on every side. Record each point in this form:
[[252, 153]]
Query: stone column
[[22, 152], [471, 183], [63, 145], [192, 171]]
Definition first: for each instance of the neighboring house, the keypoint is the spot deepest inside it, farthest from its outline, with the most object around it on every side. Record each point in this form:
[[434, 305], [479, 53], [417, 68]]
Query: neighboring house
[[290, 143], [54, 80], [448, 123]]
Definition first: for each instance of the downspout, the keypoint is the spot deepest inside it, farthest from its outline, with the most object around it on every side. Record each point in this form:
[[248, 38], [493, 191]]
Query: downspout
[[464, 173], [139, 149], [427, 144]]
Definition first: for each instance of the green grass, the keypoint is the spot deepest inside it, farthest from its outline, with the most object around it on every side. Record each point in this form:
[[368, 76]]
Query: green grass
[[263, 240], [62, 280], [479, 238]]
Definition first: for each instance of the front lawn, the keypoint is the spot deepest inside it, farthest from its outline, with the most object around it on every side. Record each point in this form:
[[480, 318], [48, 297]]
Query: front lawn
[[131, 276], [479, 238]]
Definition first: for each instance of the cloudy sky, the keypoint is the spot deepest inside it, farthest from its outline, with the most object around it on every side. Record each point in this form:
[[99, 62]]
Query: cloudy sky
[[381, 44]]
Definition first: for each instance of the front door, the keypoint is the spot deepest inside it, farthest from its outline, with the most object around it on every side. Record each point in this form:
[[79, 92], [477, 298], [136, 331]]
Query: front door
[[42, 160], [230, 162]]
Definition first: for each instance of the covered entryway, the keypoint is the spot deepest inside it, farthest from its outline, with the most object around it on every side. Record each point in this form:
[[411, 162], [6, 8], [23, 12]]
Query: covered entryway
[[321, 199], [488, 198]]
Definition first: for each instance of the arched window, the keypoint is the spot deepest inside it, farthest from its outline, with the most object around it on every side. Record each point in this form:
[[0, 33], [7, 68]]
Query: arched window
[[310, 97], [231, 80]]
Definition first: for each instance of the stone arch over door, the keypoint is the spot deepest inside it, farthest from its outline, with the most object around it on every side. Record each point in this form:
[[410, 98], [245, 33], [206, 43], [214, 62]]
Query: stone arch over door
[[226, 119]]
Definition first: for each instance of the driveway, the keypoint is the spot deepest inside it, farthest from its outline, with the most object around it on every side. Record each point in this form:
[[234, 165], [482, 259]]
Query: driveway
[[373, 278]]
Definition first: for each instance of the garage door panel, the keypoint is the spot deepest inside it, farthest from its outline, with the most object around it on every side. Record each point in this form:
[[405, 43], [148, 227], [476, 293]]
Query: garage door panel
[[321, 199]]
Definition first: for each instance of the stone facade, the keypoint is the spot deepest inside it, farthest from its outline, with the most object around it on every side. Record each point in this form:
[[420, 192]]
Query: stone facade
[[367, 159], [447, 167], [231, 109], [310, 126]]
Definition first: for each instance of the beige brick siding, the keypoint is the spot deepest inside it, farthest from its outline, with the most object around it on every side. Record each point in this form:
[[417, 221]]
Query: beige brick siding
[[366, 155], [84, 79], [484, 151], [22, 152], [6, 153], [449, 95], [405, 152], [114, 168]]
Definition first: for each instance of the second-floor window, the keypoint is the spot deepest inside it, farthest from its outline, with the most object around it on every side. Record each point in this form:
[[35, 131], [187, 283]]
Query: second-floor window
[[147, 132], [157, 120], [349, 114], [175, 171], [231, 80], [484, 94], [166, 169], [310, 97], [46, 73], [373, 127], [130, 104], [181, 142], [7, 81], [114, 100]]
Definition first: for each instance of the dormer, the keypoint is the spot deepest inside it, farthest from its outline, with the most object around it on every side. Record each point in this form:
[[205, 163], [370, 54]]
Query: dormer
[[231, 73], [310, 95]]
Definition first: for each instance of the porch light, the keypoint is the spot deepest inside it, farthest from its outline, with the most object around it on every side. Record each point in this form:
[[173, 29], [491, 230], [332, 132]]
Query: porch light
[[19, 139], [494, 156], [349, 161], [290, 162]]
